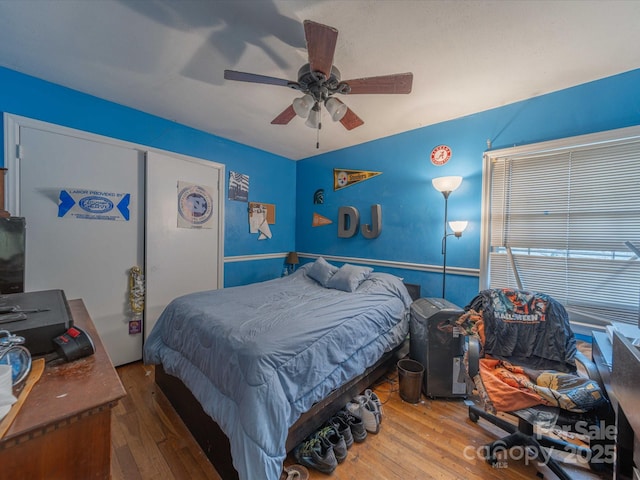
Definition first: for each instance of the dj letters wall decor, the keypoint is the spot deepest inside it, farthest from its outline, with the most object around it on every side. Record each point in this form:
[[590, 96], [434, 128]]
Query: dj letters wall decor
[[349, 219]]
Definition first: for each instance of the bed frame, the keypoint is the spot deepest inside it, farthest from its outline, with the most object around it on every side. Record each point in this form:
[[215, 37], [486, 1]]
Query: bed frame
[[215, 443]]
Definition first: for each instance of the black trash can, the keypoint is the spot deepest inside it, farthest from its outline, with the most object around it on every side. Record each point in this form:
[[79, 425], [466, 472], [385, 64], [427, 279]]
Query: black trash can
[[410, 375]]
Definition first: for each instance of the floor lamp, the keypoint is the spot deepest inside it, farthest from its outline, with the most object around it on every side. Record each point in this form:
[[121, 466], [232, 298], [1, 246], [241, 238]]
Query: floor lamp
[[446, 185]]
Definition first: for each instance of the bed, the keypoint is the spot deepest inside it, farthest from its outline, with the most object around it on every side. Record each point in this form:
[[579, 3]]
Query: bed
[[257, 357]]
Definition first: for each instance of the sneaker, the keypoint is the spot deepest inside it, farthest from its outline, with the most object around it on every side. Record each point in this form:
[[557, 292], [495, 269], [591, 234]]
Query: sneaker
[[294, 472], [371, 395], [342, 427], [367, 411], [312, 453], [330, 437], [358, 432]]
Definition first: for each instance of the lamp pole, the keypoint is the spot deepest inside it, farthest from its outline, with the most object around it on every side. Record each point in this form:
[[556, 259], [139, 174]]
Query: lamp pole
[[444, 242], [446, 185]]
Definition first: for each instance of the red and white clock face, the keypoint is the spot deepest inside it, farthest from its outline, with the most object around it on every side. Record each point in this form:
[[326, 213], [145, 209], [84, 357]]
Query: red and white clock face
[[440, 155]]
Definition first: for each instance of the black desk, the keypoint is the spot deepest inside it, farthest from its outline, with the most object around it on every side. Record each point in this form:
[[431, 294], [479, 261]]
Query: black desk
[[619, 367]]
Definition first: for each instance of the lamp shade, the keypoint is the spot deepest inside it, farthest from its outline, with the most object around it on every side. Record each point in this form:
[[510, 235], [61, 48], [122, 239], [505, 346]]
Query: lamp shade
[[303, 105], [446, 184], [336, 108], [292, 258], [314, 117], [458, 226]]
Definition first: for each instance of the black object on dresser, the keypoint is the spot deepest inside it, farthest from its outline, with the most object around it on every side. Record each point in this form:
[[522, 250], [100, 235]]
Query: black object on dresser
[[12, 245], [41, 316]]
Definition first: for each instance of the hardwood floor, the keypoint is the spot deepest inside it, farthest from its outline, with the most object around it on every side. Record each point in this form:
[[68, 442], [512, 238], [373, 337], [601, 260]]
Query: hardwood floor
[[431, 439], [149, 441]]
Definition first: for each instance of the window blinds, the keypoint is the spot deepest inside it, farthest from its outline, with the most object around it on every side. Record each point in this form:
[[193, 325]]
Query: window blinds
[[566, 222]]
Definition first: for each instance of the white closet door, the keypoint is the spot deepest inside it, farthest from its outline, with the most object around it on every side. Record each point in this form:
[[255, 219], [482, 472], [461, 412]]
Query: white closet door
[[87, 258], [183, 255]]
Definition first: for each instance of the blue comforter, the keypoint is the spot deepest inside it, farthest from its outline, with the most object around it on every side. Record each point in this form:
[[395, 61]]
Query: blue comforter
[[258, 356]]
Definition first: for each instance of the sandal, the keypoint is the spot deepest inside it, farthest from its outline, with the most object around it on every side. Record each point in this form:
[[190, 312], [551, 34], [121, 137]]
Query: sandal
[[295, 472]]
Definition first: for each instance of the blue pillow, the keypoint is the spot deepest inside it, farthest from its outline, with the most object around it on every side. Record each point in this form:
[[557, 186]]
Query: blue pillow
[[348, 277], [321, 271]]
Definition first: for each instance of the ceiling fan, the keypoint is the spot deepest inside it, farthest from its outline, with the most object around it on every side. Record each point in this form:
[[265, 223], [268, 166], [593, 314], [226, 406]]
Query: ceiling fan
[[320, 80]]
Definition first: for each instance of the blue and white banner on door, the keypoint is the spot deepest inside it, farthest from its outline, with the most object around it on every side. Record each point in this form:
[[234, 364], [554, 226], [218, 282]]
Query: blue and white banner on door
[[93, 204]]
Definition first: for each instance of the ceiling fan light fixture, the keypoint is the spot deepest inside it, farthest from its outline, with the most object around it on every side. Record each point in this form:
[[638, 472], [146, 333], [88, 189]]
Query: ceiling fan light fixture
[[336, 108], [314, 116], [303, 105], [319, 80]]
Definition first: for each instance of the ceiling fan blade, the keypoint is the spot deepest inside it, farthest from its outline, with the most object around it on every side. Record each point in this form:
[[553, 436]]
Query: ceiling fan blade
[[351, 120], [396, 83], [321, 45], [255, 78], [285, 117]]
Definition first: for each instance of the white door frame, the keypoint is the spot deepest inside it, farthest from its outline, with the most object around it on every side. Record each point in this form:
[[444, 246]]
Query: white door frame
[[12, 124]]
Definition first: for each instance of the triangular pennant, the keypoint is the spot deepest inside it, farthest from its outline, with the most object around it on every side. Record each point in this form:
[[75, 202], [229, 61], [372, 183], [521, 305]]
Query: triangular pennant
[[320, 221], [66, 202], [343, 178], [123, 206]]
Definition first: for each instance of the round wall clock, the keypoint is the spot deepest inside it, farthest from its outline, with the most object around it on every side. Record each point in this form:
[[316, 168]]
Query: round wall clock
[[440, 155]]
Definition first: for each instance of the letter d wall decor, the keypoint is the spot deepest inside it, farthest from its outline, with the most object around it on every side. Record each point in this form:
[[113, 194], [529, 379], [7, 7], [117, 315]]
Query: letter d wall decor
[[349, 218]]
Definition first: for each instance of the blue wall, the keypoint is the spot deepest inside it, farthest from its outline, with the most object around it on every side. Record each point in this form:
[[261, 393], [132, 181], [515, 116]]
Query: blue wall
[[272, 178], [413, 211]]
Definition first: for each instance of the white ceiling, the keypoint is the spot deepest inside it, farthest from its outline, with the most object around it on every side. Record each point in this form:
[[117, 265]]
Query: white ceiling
[[167, 57]]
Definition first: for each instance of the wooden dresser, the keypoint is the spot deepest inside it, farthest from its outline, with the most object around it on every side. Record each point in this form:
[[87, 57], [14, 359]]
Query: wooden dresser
[[63, 430]]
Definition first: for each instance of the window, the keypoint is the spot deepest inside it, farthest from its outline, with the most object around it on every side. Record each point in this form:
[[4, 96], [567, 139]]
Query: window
[[563, 218]]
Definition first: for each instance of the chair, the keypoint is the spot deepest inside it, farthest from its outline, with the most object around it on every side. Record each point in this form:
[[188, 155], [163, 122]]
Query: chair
[[521, 360]]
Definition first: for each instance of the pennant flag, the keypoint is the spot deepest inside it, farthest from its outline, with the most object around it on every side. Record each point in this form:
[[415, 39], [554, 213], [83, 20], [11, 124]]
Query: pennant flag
[[345, 178], [320, 221]]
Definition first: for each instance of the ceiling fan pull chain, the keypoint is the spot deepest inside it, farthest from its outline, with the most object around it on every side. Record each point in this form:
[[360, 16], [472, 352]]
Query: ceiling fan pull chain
[[318, 131]]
